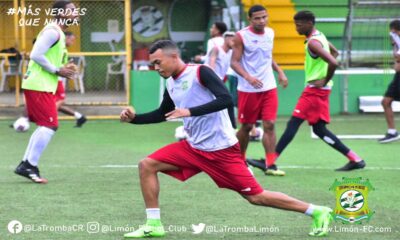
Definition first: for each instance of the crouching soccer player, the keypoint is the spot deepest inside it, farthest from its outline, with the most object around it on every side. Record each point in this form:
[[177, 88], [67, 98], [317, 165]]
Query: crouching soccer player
[[196, 94]]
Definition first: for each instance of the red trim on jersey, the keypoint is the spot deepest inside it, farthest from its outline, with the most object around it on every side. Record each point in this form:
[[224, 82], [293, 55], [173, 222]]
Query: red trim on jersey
[[255, 32], [198, 75], [177, 75]]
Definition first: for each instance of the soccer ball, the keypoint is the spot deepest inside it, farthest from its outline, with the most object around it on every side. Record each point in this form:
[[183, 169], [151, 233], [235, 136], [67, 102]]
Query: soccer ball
[[180, 133], [258, 136], [21, 124]]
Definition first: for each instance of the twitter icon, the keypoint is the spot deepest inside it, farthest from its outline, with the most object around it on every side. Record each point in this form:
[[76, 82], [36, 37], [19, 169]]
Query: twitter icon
[[199, 228]]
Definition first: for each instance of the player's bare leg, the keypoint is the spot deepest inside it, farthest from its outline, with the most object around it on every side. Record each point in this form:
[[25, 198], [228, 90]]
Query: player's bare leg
[[321, 215], [243, 136], [277, 200], [148, 169], [269, 141], [80, 119], [269, 137]]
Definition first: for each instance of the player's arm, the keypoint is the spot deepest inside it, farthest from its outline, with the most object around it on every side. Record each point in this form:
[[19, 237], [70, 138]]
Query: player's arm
[[213, 58], [333, 50], [316, 48], [155, 116], [212, 82], [48, 39], [396, 45], [223, 98], [283, 80], [237, 52]]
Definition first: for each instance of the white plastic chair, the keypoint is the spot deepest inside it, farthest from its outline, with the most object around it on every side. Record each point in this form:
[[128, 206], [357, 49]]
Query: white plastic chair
[[78, 78], [118, 67]]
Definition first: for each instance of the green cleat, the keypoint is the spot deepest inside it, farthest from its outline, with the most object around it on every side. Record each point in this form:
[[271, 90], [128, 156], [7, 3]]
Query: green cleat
[[274, 171], [152, 228], [321, 219]]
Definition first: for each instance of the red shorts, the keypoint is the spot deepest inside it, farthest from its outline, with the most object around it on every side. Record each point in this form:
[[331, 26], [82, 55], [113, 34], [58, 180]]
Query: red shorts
[[60, 93], [256, 106], [313, 105], [226, 167], [41, 108]]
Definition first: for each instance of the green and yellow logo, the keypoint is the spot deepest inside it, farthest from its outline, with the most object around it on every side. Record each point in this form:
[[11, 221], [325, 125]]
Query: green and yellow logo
[[352, 200]]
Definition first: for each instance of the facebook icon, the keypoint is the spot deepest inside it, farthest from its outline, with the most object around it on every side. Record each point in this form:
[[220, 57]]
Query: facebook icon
[[14, 226]]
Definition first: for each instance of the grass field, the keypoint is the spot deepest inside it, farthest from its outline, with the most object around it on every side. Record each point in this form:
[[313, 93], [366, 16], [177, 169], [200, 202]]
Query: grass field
[[93, 179]]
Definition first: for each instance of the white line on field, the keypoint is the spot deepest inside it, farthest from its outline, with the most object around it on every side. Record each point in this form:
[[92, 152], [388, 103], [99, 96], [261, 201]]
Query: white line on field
[[119, 166], [327, 168]]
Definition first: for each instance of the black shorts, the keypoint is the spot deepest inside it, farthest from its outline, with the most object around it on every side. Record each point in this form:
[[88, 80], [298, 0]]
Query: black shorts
[[393, 90]]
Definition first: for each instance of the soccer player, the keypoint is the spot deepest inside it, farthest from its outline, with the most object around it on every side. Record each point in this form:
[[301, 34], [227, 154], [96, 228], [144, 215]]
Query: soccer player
[[40, 84], [216, 32], [60, 93], [258, 99], [196, 94], [393, 90], [313, 105], [219, 58]]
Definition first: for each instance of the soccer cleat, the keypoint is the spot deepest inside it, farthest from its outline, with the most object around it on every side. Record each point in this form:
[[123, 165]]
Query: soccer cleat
[[270, 170], [274, 171], [80, 121], [153, 228], [321, 219], [257, 163], [389, 138], [352, 166], [25, 169]]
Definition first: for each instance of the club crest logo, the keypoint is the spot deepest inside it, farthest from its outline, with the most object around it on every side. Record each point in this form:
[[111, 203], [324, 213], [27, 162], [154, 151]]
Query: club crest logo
[[352, 200], [185, 85]]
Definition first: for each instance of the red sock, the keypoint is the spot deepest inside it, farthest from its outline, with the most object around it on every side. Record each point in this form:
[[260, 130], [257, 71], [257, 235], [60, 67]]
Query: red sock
[[270, 159], [352, 156]]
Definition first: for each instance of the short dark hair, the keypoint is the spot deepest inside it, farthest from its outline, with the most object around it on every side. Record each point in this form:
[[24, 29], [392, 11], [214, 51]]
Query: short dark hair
[[163, 44], [305, 15], [60, 4], [68, 33], [221, 26], [395, 24], [256, 8]]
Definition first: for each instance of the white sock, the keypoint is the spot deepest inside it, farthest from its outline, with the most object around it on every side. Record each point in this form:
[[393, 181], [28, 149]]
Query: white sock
[[77, 115], [29, 147], [392, 131], [310, 209], [153, 213], [40, 140]]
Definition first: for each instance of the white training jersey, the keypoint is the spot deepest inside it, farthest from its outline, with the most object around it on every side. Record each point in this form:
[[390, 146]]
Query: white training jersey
[[257, 59], [213, 42], [210, 132], [222, 63]]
